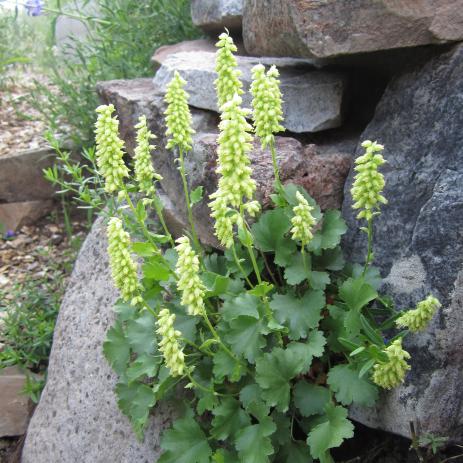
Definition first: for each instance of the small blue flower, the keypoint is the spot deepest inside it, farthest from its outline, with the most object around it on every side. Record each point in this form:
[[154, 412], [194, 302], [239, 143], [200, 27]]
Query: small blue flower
[[34, 7], [9, 235]]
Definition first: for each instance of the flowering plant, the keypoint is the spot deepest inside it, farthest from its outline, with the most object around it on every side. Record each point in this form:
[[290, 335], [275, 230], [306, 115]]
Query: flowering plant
[[272, 337]]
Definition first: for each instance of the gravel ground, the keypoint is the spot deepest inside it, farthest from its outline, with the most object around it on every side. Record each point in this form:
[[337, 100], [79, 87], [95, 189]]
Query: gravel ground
[[20, 127]]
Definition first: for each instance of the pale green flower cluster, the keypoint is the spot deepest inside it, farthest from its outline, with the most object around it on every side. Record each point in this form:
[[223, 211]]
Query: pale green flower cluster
[[303, 220], [369, 183], [266, 103], [417, 319], [189, 283], [109, 150], [391, 373], [145, 174], [178, 116], [235, 182], [169, 344], [228, 81], [123, 268]]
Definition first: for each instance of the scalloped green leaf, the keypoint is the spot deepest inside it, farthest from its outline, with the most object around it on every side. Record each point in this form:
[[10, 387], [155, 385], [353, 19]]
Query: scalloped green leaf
[[185, 442], [349, 388], [299, 314]]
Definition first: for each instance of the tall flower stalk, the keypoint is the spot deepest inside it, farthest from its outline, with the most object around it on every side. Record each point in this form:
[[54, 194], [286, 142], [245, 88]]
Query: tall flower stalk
[[267, 110], [179, 131], [367, 190], [109, 150], [236, 186], [228, 83], [123, 267], [145, 175], [303, 223]]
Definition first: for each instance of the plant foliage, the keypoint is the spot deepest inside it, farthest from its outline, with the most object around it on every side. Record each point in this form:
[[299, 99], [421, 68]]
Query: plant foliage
[[265, 344]]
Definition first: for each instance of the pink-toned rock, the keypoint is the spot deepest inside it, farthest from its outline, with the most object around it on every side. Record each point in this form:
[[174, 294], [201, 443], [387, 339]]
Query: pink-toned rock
[[14, 215], [330, 28], [207, 45], [321, 169], [14, 406], [163, 52]]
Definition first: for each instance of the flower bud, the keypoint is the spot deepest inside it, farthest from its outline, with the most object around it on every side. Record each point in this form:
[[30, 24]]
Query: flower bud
[[417, 319]]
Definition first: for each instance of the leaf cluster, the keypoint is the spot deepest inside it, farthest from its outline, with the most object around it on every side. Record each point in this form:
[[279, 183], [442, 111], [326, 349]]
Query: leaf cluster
[[293, 351]]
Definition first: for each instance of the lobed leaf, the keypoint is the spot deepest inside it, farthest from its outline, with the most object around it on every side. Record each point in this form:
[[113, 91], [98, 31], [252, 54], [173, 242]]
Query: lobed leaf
[[349, 388], [329, 433], [185, 442], [299, 315]]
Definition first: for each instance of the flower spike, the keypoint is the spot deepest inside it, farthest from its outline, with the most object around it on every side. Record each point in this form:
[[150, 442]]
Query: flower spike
[[123, 268], [228, 81], [417, 319], [189, 283], [368, 183], [109, 150], [391, 373], [266, 103], [145, 174], [303, 220], [234, 167], [169, 344], [178, 116]]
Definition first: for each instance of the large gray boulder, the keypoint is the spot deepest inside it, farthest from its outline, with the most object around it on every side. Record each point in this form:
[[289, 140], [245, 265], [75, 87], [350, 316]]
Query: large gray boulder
[[312, 28], [312, 98], [215, 15], [320, 168], [77, 419], [419, 239]]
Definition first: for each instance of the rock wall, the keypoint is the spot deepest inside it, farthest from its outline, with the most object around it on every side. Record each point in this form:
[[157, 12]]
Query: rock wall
[[419, 234], [419, 238]]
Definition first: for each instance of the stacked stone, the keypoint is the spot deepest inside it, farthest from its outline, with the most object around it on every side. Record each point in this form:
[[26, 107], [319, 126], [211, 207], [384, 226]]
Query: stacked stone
[[335, 76]]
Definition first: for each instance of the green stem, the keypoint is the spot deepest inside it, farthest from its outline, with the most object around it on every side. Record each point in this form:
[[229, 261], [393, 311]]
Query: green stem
[[76, 16], [145, 230], [304, 263], [275, 164], [268, 310], [163, 222], [368, 259], [217, 338], [269, 270], [192, 344], [240, 267], [188, 204]]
